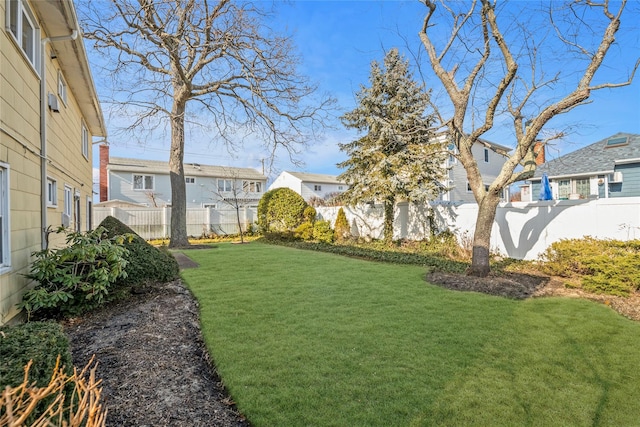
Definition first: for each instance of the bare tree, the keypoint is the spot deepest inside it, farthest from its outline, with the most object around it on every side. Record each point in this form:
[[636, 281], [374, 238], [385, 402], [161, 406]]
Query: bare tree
[[494, 66], [243, 79], [240, 194]]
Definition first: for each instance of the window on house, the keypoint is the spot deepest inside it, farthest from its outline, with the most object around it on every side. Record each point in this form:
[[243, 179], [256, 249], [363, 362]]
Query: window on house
[[189, 180], [5, 251], [583, 187], [21, 25], [564, 188], [340, 187], [209, 205], [486, 155], [468, 187], [317, 187], [85, 141], [143, 182], [224, 185], [89, 213], [67, 207], [52, 192], [616, 142], [62, 88], [76, 212], [251, 187]]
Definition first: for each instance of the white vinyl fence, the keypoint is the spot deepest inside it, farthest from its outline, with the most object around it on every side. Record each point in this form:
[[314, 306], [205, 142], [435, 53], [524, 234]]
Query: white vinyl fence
[[152, 223], [521, 230]]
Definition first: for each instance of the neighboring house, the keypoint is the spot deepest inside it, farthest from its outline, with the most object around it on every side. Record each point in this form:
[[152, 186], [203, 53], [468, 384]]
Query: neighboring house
[[146, 182], [607, 168], [310, 185], [490, 158], [49, 114]]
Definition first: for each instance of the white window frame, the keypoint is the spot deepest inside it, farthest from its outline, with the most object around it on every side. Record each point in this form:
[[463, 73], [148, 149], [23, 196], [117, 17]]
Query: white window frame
[[5, 230], [89, 205], [486, 155], [52, 193], [225, 185], [77, 217], [317, 187], [16, 14], [67, 207], [85, 141], [252, 186], [143, 182], [62, 88], [189, 180]]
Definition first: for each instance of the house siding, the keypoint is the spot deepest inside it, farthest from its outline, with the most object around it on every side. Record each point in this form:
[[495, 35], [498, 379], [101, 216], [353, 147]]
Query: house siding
[[20, 150], [630, 186], [458, 175], [203, 191]]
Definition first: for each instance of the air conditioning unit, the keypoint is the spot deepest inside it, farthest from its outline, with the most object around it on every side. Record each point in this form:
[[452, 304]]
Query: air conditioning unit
[[616, 177], [66, 220], [53, 103]]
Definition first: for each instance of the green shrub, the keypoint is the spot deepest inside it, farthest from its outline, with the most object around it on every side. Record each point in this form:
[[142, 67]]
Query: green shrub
[[309, 214], [322, 232], [280, 209], [41, 342], [342, 229], [600, 266], [75, 278], [145, 262], [304, 231]]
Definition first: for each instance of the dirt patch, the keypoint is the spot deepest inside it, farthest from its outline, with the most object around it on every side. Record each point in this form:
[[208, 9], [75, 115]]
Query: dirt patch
[[521, 286], [152, 360]]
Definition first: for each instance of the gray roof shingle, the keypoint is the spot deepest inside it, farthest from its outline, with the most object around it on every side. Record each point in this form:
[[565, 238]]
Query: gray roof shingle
[[593, 158], [190, 169]]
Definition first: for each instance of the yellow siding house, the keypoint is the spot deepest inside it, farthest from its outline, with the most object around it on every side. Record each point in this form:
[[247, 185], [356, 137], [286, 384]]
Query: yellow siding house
[[49, 114]]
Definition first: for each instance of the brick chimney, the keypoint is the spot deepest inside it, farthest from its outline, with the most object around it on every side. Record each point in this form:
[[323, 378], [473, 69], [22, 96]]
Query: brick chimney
[[104, 161], [539, 152]]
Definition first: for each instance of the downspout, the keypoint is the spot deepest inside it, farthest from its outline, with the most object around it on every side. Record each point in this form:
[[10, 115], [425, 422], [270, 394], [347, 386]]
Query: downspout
[[43, 130]]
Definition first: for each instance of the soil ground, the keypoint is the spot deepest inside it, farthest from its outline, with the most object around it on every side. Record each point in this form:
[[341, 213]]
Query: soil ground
[[156, 370]]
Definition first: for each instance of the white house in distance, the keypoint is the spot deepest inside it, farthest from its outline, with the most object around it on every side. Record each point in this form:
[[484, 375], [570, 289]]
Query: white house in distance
[[310, 185], [125, 181], [490, 158]]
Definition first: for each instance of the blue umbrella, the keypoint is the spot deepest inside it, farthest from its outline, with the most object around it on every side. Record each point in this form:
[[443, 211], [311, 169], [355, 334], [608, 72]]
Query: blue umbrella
[[545, 188]]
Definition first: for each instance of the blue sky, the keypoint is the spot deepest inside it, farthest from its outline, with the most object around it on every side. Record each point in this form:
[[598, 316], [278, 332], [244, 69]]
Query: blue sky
[[338, 40]]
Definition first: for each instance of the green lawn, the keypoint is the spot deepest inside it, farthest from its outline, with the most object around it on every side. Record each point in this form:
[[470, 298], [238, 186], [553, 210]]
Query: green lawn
[[304, 338]]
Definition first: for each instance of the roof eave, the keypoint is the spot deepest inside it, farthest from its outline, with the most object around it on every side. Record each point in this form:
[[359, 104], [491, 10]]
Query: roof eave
[[59, 19]]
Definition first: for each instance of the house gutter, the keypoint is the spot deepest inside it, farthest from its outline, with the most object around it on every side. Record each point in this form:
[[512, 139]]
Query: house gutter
[[43, 131]]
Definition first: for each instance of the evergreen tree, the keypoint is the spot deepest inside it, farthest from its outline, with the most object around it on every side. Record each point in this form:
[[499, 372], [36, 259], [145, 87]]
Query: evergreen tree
[[398, 157]]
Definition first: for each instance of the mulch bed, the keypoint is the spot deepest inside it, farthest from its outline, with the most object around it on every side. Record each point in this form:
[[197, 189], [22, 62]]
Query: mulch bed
[[153, 362]]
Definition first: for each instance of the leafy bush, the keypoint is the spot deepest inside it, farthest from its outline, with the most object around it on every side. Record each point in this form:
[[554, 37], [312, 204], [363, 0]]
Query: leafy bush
[[342, 228], [599, 266], [145, 263], [280, 209], [304, 231], [322, 232], [309, 214], [78, 277], [41, 342]]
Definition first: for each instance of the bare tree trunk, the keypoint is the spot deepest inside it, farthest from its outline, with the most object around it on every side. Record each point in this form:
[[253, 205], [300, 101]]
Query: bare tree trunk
[[482, 236], [388, 220], [239, 223], [176, 172]]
